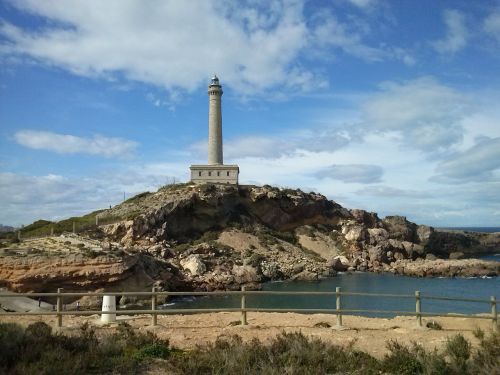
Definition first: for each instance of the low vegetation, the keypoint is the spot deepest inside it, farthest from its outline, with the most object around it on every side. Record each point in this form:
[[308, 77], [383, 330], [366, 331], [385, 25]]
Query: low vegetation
[[37, 349]]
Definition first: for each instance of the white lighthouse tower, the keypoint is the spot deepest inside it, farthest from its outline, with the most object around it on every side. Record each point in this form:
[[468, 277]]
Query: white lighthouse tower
[[215, 171], [214, 122]]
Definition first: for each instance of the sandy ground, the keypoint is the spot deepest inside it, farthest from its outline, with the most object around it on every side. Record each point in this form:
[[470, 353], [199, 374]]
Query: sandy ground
[[367, 334]]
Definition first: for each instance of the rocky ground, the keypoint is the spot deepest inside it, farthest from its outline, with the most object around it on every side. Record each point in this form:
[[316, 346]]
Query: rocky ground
[[367, 334], [210, 237]]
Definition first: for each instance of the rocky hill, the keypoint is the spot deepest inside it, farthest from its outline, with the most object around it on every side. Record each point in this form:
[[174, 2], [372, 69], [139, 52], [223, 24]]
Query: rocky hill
[[6, 228], [220, 237]]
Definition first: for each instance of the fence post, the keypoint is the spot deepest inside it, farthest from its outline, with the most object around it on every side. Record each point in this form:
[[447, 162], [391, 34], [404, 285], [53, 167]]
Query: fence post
[[59, 307], [494, 317], [51, 230], [19, 235], [154, 317], [418, 309], [74, 227], [96, 220], [243, 311], [338, 304]]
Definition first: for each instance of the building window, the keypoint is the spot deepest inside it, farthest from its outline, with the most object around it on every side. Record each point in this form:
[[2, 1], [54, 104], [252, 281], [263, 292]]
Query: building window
[[209, 173], [227, 174], [218, 174], [199, 174]]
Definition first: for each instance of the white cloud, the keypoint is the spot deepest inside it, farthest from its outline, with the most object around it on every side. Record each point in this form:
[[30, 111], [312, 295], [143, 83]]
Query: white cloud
[[352, 173], [255, 47], [478, 163], [425, 112], [318, 140], [70, 144], [457, 35], [491, 25], [349, 38], [25, 198], [363, 4], [172, 44], [391, 192]]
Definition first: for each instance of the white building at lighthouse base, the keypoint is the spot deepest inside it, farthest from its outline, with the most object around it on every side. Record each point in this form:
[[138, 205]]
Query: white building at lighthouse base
[[215, 174]]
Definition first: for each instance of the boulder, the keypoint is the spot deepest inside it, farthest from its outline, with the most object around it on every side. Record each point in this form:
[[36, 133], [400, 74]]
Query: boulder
[[401, 229], [298, 268], [423, 233], [377, 254], [270, 270], [377, 235], [194, 264], [245, 274], [368, 219], [339, 263], [155, 250], [354, 232], [305, 276]]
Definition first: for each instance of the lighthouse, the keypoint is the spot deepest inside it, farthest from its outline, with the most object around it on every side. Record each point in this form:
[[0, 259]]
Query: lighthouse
[[214, 122], [215, 171]]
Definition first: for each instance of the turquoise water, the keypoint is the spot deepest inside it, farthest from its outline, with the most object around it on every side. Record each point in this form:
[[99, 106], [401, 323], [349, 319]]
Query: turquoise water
[[370, 283]]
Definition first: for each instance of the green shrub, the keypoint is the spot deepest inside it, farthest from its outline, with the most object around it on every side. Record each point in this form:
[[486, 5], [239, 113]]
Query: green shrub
[[401, 360], [152, 351], [288, 353], [11, 342], [434, 325], [486, 360], [138, 197], [458, 350], [322, 325], [36, 350]]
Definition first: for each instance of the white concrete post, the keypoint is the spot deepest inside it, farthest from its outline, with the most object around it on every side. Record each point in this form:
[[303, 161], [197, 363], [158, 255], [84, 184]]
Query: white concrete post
[[214, 122], [243, 307], [108, 304], [338, 306], [418, 309], [154, 317], [74, 227]]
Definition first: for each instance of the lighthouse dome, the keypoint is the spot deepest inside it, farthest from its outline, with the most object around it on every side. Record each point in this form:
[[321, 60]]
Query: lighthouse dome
[[215, 80]]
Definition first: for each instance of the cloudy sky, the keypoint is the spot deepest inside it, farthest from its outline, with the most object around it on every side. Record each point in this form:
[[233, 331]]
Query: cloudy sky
[[389, 106]]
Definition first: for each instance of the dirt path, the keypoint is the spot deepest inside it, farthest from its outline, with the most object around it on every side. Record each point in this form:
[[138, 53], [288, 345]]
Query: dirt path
[[367, 334]]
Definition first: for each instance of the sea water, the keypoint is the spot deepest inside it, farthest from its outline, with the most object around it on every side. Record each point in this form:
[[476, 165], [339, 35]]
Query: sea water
[[366, 282], [482, 288]]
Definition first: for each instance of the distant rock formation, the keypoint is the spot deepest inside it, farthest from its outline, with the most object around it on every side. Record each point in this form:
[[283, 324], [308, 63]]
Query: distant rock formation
[[6, 228]]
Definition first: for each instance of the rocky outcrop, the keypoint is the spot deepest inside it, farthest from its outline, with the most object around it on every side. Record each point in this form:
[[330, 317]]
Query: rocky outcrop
[[77, 272], [208, 237], [447, 268], [194, 265], [312, 224], [198, 209]]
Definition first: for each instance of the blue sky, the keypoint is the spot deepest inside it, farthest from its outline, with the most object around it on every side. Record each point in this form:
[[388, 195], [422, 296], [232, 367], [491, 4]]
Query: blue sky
[[389, 106]]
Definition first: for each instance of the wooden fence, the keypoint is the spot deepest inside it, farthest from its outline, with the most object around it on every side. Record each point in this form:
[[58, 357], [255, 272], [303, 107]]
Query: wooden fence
[[244, 309]]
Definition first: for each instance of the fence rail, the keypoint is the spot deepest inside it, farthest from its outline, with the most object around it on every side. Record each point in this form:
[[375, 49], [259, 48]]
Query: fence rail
[[243, 309]]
